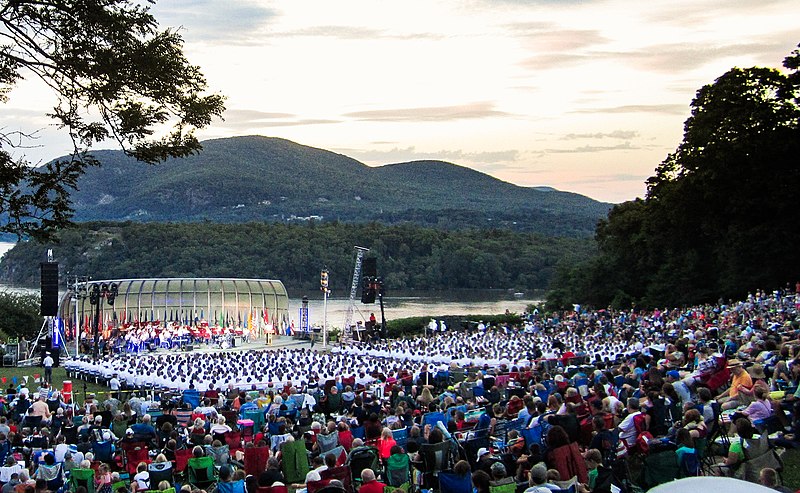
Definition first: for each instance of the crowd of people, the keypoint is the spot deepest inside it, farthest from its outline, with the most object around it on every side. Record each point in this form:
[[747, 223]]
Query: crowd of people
[[585, 398]]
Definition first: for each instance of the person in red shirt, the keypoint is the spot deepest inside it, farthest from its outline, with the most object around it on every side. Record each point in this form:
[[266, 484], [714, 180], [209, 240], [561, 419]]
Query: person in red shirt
[[385, 444], [369, 484]]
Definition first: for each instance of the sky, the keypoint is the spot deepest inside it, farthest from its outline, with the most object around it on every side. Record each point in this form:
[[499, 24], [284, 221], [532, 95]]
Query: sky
[[583, 96]]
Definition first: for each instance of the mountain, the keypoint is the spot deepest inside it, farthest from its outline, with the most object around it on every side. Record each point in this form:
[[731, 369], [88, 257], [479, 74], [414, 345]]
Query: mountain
[[258, 178]]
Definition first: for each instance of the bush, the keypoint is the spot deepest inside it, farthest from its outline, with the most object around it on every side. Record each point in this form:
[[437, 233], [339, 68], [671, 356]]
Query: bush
[[19, 314]]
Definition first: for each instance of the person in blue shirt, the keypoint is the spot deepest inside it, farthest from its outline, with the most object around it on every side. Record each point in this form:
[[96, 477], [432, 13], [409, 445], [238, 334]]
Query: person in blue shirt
[[248, 405]]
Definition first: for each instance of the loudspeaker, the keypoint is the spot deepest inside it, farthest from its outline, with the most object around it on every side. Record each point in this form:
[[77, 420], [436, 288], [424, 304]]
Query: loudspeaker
[[367, 290], [49, 306], [188, 347], [369, 267]]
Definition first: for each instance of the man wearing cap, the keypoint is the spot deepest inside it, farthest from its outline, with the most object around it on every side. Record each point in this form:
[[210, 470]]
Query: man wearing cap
[[485, 460], [740, 380], [47, 363]]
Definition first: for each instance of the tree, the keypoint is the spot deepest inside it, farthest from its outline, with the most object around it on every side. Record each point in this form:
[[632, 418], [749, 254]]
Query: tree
[[717, 218], [19, 314], [116, 75]]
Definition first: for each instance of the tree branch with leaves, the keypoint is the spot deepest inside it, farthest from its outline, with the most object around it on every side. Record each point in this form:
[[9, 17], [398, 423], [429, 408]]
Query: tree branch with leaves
[[116, 75]]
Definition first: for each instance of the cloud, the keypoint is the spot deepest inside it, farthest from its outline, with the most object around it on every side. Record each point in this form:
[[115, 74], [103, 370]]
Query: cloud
[[397, 155], [253, 115], [619, 177], [355, 33], [687, 56], [669, 109], [616, 134], [252, 119], [625, 146], [557, 39], [430, 114], [232, 21]]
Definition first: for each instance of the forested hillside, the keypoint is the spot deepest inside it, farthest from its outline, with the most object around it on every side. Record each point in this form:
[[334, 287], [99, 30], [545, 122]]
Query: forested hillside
[[409, 257], [256, 178]]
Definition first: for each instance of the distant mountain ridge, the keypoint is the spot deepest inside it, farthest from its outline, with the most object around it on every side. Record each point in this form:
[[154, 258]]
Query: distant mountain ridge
[[256, 178]]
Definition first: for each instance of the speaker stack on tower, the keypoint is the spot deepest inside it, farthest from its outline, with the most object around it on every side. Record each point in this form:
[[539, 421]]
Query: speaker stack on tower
[[49, 307], [369, 271]]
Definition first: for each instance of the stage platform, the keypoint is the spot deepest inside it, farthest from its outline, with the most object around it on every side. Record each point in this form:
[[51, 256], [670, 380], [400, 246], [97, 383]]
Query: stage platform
[[278, 342]]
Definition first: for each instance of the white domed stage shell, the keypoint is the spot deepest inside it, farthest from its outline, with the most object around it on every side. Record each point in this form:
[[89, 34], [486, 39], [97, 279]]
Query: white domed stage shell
[[217, 302]]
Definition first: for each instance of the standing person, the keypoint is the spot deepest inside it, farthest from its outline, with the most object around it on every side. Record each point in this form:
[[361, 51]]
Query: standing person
[[114, 385], [48, 363]]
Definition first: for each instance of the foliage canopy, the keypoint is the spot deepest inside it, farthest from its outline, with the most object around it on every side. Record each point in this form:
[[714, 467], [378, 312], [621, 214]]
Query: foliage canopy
[[115, 75], [718, 218], [409, 257]]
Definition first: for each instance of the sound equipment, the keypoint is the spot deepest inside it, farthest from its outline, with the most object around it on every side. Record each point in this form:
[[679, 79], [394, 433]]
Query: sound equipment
[[188, 347], [369, 267], [49, 307], [368, 289]]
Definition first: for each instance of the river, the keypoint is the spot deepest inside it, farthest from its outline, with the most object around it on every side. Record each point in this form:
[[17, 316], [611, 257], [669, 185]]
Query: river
[[396, 305]]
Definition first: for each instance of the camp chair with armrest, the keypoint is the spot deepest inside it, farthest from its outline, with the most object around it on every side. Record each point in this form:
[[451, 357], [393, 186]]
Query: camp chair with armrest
[[81, 477], [103, 451], [273, 489], [758, 454], [294, 461], [398, 469], [161, 471], [233, 439], [255, 460], [401, 437], [361, 458], [134, 456], [231, 486], [690, 465], [327, 442], [436, 458], [201, 472], [342, 473], [503, 488], [453, 483], [182, 457]]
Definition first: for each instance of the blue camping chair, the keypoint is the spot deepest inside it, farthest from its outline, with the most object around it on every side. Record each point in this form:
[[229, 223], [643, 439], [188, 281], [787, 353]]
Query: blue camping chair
[[191, 397], [452, 483], [401, 437], [433, 418]]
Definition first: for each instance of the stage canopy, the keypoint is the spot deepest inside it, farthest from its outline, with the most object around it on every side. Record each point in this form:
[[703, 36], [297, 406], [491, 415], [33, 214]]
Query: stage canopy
[[218, 302]]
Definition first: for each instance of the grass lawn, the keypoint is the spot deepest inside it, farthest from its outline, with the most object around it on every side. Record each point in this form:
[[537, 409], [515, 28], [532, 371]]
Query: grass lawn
[[791, 469], [59, 375]]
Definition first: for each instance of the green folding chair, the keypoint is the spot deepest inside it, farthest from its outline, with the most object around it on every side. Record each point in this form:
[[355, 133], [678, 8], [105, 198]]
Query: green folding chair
[[202, 474], [81, 477]]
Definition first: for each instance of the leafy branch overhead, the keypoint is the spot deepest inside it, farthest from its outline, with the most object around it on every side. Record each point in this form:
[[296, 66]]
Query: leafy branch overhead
[[115, 75]]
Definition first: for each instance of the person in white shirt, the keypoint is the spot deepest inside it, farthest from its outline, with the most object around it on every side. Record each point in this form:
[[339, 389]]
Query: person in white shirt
[[627, 428], [48, 363]]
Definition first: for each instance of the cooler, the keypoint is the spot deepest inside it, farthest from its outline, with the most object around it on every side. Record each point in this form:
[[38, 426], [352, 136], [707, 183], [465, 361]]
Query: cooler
[[66, 391]]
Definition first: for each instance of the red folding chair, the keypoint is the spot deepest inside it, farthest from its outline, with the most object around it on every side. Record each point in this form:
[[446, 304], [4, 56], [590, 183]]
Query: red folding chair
[[272, 489], [182, 457], [135, 456], [234, 441], [255, 460]]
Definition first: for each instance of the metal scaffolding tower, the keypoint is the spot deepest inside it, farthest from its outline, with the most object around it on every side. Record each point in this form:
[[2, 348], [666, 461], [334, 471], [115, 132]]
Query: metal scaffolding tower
[[347, 333]]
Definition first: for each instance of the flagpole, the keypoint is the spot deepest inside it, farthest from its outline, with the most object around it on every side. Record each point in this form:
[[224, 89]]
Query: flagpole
[[324, 319], [324, 286]]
